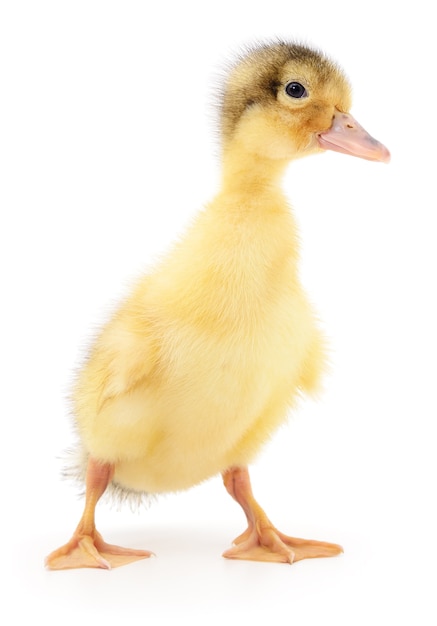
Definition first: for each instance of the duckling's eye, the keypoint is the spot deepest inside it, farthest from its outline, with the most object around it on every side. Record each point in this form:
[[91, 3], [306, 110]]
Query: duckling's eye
[[295, 90]]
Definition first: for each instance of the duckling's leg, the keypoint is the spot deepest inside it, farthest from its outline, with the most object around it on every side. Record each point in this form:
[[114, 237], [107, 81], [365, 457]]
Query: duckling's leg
[[262, 541], [86, 548]]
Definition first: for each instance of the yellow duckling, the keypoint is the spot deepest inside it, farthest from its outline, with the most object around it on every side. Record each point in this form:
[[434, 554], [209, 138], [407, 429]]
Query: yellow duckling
[[203, 361]]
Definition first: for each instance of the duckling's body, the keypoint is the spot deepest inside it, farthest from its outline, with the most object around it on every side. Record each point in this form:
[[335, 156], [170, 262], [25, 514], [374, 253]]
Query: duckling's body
[[203, 361]]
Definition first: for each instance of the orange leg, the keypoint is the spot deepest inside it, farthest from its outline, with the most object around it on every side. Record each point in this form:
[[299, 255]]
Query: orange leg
[[262, 541], [86, 548]]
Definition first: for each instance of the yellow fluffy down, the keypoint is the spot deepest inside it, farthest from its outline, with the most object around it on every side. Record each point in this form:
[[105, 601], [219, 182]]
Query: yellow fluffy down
[[203, 361]]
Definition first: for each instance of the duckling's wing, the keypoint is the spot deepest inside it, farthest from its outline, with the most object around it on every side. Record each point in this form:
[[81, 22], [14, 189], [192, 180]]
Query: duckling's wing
[[123, 360]]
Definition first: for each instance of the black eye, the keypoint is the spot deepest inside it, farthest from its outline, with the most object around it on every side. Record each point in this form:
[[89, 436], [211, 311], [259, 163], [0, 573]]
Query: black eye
[[295, 90]]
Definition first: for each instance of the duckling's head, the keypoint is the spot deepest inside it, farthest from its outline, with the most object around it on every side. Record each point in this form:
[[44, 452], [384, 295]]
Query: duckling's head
[[284, 100]]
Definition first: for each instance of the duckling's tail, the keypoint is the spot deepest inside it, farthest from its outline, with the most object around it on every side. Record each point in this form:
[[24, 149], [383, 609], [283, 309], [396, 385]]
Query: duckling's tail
[[75, 461]]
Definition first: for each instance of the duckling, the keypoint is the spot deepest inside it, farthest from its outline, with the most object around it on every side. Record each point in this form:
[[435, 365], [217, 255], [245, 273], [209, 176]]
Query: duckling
[[206, 357]]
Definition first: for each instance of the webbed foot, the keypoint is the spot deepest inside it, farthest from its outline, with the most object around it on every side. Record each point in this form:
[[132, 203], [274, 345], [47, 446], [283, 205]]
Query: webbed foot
[[262, 541], [92, 551]]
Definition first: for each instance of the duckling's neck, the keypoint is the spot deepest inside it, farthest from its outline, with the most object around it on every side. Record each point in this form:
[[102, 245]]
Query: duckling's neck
[[249, 174]]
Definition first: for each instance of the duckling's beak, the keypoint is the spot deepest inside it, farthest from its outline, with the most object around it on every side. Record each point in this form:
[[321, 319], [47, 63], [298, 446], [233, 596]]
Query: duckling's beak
[[349, 137]]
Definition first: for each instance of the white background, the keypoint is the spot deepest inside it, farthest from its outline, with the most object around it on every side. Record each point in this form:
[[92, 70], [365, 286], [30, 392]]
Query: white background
[[108, 147]]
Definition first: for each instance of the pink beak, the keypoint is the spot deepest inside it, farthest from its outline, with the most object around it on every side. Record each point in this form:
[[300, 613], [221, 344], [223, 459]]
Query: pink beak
[[349, 137]]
